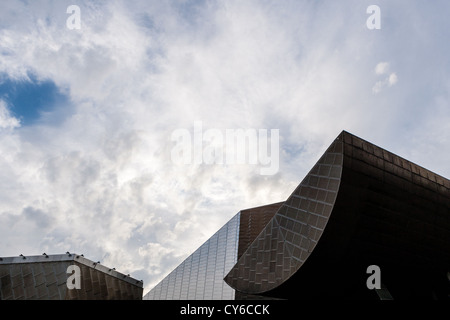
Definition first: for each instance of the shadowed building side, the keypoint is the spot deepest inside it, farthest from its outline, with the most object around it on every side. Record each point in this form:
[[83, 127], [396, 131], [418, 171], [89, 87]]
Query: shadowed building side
[[252, 222], [375, 209], [290, 237]]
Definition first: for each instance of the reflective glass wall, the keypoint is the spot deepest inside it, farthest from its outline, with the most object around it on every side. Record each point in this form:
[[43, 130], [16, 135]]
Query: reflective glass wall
[[200, 276]]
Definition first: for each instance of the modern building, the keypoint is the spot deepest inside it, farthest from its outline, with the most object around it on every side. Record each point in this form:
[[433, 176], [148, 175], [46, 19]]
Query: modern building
[[363, 224], [200, 276], [64, 277]]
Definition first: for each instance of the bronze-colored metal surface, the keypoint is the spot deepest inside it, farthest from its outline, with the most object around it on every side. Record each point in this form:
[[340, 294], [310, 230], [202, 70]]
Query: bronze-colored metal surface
[[290, 237], [360, 205], [252, 222], [45, 278]]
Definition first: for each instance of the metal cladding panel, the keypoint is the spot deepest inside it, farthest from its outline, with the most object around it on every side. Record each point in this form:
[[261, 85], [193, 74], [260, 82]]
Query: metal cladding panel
[[97, 285], [45, 278], [200, 276], [360, 205], [290, 237], [33, 281], [400, 212], [252, 222]]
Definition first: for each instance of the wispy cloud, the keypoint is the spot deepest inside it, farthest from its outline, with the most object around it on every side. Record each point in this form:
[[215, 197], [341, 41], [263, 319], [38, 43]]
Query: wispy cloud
[[7, 121], [391, 79]]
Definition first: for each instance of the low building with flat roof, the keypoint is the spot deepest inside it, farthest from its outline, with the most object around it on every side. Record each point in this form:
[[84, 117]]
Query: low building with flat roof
[[67, 276]]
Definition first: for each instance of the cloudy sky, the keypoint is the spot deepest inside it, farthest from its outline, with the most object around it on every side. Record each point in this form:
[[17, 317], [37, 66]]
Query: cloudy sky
[[87, 115]]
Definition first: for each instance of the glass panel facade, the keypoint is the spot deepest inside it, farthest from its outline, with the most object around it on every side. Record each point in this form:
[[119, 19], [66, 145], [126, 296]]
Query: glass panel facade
[[200, 276]]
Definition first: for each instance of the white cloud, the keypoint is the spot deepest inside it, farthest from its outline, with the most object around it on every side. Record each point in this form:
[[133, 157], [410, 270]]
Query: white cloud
[[389, 81], [382, 68], [393, 79], [7, 121]]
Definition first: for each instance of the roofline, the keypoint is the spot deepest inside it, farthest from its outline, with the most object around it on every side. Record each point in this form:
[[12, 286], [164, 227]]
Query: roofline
[[67, 257]]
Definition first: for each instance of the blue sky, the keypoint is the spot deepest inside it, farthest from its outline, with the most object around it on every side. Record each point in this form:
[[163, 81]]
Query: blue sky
[[29, 100], [86, 116]]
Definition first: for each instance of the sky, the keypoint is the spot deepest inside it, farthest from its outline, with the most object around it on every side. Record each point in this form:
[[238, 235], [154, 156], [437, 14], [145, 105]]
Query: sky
[[88, 112]]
